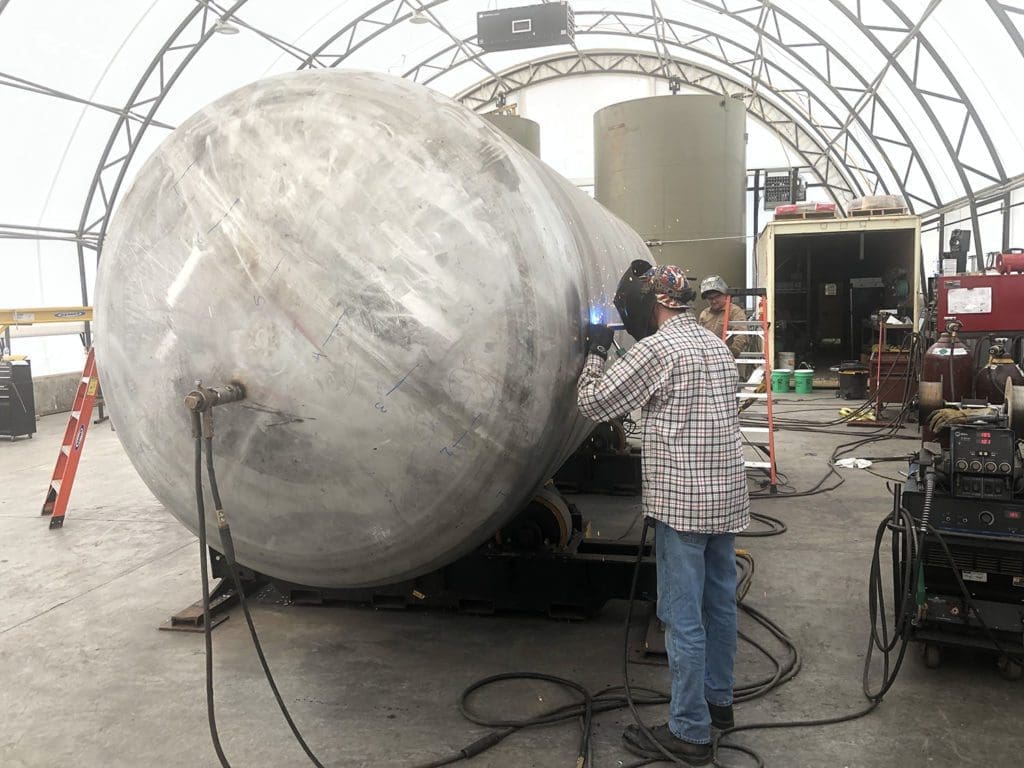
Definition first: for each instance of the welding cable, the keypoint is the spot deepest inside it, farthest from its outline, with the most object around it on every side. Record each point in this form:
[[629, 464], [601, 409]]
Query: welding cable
[[775, 527], [620, 697], [881, 639], [229, 556], [204, 577]]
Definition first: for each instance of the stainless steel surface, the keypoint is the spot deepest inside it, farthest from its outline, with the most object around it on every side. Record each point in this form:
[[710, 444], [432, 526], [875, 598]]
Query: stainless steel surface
[[400, 288], [674, 167], [525, 131]]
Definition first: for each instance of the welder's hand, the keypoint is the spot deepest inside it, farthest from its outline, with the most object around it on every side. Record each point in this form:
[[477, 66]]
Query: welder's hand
[[947, 417], [599, 339]]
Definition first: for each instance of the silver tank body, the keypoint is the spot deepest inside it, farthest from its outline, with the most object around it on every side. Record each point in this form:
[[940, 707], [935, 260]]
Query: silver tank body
[[402, 290], [674, 168]]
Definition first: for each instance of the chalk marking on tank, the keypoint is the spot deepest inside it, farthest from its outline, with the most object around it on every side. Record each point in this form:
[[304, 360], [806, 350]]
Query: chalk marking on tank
[[449, 450], [401, 381], [335, 328]]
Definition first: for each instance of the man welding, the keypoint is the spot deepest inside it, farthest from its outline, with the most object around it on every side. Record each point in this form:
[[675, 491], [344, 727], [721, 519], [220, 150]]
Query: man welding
[[694, 489]]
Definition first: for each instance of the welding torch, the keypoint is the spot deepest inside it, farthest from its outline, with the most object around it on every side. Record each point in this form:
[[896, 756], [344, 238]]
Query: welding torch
[[618, 347]]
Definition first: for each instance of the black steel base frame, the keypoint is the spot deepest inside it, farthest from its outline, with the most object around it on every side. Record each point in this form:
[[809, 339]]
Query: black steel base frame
[[571, 584]]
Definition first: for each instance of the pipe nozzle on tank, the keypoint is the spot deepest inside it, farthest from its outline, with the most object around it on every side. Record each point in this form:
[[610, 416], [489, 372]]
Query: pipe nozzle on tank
[[202, 399]]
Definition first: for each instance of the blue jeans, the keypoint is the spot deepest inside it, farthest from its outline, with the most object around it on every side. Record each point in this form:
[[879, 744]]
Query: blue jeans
[[697, 604]]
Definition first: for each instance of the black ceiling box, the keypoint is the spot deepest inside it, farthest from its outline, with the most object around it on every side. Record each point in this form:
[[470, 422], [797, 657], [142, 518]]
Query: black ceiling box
[[528, 26]]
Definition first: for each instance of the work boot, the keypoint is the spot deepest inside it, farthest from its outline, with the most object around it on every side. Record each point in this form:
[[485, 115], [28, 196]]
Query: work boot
[[721, 717], [637, 742]]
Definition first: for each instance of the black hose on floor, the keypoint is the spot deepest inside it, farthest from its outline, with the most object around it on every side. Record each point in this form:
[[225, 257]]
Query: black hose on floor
[[204, 577], [229, 555]]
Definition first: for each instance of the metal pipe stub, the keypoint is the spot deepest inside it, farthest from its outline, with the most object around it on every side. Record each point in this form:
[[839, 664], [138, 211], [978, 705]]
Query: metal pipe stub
[[202, 398], [201, 401]]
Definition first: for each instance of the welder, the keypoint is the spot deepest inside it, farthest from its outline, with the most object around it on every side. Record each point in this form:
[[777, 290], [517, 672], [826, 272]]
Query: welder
[[713, 290], [683, 379]]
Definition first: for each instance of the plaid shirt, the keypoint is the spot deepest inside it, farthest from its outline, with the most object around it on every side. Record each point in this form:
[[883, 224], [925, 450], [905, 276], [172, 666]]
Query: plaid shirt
[[684, 380]]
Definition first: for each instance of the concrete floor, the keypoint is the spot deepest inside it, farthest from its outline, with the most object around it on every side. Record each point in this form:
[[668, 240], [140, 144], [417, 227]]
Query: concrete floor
[[87, 680]]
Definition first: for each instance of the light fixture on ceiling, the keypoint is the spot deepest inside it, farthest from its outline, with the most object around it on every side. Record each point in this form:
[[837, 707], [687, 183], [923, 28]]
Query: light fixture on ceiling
[[223, 28], [419, 17]]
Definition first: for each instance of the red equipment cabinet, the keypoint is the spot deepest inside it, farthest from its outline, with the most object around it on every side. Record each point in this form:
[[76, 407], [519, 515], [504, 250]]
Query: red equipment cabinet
[[982, 303]]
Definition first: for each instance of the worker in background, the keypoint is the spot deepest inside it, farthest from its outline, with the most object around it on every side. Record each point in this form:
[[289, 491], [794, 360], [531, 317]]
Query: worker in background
[[694, 490], [712, 290]]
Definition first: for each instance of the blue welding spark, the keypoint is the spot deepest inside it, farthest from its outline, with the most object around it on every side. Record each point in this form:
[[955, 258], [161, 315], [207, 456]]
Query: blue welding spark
[[597, 315]]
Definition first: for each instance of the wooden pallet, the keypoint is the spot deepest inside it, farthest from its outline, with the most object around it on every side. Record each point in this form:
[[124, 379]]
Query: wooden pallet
[[879, 212], [805, 215]]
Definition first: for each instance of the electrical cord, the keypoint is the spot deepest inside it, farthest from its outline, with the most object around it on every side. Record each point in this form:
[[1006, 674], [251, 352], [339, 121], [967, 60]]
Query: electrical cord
[[583, 710], [205, 579], [228, 546]]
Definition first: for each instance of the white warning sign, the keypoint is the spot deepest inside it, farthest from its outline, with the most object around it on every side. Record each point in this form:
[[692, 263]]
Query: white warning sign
[[970, 301]]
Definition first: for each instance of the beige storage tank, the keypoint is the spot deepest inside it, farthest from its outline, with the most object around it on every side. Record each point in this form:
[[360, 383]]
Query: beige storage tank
[[524, 131], [674, 168]]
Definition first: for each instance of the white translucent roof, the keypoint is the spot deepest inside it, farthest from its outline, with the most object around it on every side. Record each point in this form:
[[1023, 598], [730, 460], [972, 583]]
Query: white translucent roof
[[913, 97]]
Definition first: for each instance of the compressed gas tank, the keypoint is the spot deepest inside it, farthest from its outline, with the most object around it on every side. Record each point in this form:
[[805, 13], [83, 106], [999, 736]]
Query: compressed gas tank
[[990, 382], [950, 362], [402, 290]]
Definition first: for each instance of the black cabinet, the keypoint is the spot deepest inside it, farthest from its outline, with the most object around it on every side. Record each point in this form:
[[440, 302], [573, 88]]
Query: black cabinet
[[17, 404]]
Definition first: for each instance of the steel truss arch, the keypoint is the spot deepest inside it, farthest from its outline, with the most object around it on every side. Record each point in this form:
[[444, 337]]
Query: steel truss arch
[[387, 14], [869, 91], [913, 34], [834, 177], [426, 71], [766, 13]]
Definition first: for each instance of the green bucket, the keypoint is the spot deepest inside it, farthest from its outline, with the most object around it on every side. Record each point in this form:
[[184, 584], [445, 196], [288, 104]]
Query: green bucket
[[804, 382], [780, 379]]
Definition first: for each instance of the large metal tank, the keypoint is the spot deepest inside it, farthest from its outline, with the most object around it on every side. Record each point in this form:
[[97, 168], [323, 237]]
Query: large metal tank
[[400, 287], [526, 132], [674, 167]]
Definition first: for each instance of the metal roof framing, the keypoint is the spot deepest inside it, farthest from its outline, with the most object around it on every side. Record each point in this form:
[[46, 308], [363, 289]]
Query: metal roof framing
[[780, 85], [809, 146]]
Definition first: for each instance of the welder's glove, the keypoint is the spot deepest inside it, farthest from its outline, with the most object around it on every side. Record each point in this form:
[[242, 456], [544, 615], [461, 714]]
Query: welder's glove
[[947, 417], [599, 339]]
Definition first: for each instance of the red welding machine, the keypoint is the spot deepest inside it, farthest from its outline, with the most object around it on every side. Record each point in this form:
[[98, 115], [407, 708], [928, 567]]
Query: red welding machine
[[983, 303]]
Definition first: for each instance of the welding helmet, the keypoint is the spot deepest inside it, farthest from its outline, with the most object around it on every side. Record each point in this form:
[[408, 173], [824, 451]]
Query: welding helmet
[[635, 301], [712, 284]]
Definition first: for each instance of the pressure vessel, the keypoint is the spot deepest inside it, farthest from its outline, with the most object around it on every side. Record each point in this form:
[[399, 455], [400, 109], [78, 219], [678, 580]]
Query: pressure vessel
[[401, 289]]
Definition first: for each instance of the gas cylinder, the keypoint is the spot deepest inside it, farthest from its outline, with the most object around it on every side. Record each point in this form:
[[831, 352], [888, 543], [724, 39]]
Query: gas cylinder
[[1010, 261], [990, 383], [949, 361]]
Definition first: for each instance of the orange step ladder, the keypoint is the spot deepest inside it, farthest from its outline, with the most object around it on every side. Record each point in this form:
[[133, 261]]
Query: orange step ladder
[[63, 479], [758, 437]]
